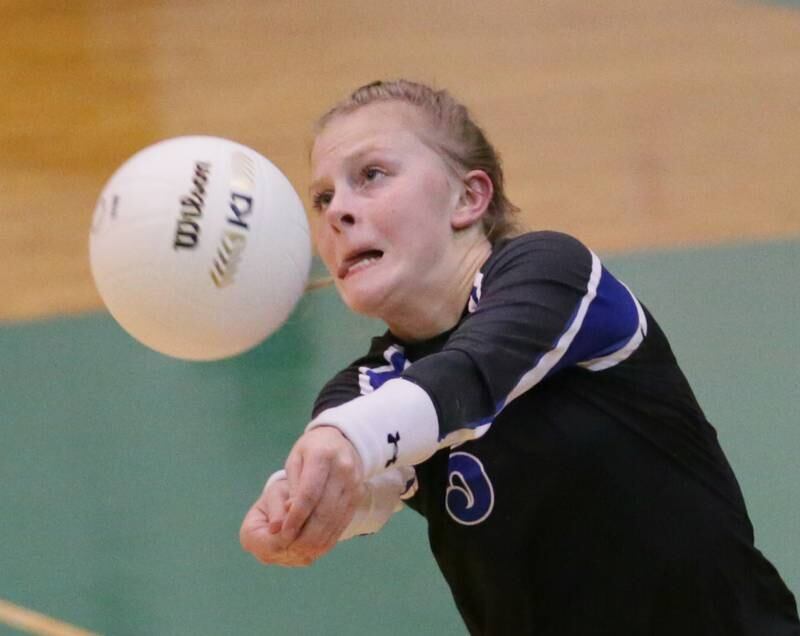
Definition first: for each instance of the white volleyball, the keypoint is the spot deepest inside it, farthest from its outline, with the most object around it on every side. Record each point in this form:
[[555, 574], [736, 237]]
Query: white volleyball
[[199, 247]]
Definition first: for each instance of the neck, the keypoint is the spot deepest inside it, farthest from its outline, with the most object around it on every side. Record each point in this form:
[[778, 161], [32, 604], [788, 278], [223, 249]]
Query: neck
[[439, 305]]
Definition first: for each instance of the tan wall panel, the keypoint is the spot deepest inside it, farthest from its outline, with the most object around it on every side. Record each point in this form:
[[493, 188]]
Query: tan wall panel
[[632, 125]]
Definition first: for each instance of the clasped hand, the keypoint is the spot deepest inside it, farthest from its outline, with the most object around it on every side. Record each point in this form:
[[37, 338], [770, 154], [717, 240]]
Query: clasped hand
[[298, 519]]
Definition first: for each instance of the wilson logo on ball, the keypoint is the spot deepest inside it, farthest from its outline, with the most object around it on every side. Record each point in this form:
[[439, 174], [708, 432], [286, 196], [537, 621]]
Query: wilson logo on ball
[[228, 256], [243, 185], [240, 206], [187, 232]]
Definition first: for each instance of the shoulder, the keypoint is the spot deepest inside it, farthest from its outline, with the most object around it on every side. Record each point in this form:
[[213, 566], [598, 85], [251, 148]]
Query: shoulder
[[541, 242], [543, 239], [540, 255]]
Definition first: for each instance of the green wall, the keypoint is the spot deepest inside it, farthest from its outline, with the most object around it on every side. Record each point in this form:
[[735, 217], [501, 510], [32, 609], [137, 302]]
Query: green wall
[[125, 474]]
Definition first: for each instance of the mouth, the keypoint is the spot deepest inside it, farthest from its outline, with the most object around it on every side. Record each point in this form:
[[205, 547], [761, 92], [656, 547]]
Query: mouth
[[358, 261]]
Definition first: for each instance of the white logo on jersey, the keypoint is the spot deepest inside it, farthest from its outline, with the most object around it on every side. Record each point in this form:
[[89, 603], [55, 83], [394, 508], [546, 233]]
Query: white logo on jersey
[[370, 379], [469, 498]]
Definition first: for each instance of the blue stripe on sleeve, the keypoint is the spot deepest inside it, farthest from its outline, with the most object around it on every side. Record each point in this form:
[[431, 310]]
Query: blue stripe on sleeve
[[609, 324], [606, 327]]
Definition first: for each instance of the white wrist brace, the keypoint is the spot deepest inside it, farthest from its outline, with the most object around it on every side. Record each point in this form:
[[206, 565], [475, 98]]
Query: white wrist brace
[[396, 425]]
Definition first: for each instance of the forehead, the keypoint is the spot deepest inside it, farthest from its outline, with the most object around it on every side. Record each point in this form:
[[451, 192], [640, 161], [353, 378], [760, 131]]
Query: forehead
[[380, 125]]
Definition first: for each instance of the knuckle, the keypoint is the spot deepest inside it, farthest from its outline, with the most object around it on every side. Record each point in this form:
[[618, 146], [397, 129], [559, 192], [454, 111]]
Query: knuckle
[[347, 466], [263, 559], [244, 541], [304, 501], [307, 560], [247, 541], [319, 546], [306, 547], [314, 546], [323, 516]]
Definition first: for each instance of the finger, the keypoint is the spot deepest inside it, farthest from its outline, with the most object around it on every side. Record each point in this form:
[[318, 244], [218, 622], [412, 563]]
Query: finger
[[347, 489], [310, 486], [345, 513], [284, 557], [335, 507], [330, 518], [314, 537], [254, 528], [277, 504], [292, 560], [348, 512], [294, 467], [268, 548], [332, 514], [321, 532]]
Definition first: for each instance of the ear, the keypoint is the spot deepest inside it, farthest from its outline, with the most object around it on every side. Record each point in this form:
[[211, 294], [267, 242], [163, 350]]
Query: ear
[[474, 200]]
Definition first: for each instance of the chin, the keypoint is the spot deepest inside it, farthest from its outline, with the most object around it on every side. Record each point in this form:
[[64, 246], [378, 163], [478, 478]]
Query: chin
[[367, 299]]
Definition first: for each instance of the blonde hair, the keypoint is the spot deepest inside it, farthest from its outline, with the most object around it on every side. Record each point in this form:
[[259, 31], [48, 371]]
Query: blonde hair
[[458, 139]]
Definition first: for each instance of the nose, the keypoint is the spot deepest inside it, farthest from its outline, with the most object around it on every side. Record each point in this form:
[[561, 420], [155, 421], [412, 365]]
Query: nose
[[339, 213]]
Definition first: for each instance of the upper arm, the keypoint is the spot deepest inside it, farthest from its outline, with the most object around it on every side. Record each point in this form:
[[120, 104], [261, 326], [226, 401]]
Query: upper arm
[[545, 304]]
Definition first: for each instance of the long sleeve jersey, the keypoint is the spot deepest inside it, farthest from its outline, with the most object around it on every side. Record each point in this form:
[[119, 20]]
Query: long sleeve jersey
[[570, 480]]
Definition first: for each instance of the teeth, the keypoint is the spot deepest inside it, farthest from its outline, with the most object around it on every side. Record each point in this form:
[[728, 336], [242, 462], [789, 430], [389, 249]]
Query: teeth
[[361, 264]]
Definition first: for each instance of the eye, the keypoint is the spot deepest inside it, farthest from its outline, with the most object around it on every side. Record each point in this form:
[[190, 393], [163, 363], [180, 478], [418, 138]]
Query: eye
[[372, 173], [321, 200]]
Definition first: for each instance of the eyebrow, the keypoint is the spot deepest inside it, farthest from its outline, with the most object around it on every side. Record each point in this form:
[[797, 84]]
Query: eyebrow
[[352, 158]]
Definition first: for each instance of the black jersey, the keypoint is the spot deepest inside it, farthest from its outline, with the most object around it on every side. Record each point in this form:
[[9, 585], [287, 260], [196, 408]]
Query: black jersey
[[577, 488]]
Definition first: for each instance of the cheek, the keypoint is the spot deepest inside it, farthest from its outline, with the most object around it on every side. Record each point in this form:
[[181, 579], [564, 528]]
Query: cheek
[[322, 241], [429, 221], [421, 209], [435, 200]]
